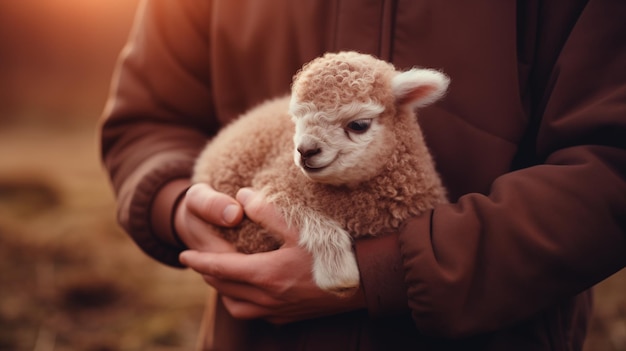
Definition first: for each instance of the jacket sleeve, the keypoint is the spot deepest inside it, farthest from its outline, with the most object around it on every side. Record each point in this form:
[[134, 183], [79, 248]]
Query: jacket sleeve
[[152, 129], [543, 233]]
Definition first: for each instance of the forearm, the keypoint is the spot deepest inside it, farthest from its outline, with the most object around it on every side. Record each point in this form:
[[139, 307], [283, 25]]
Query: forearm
[[157, 119], [542, 236], [146, 193]]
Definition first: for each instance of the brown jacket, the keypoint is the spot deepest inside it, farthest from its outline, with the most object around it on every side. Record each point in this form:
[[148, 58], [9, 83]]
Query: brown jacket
[[530, 142]]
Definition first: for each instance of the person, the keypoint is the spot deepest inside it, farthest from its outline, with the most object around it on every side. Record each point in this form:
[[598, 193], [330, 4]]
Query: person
[[530, 142]]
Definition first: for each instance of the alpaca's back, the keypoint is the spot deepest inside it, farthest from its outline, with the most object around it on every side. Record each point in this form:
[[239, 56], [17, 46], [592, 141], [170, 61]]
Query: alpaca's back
[[240, 156]]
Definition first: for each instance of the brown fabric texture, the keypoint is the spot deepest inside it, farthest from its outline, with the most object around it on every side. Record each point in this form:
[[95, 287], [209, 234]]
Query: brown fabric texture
[[530, 142]]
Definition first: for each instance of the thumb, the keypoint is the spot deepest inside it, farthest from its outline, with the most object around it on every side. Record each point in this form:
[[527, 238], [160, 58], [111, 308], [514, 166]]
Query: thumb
[[213, 206]]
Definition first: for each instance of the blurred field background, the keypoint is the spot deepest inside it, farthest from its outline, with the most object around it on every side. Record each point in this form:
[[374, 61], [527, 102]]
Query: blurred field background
[[69, 278]]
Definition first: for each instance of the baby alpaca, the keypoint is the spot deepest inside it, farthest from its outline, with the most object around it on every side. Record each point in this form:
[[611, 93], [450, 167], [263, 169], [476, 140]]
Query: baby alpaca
[[342, 157]]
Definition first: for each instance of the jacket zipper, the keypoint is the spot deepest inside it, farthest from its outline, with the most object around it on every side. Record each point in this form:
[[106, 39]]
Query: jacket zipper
[[387, 27]]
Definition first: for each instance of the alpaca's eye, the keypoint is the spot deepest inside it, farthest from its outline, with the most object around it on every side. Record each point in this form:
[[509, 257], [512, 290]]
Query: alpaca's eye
[[359, 126]]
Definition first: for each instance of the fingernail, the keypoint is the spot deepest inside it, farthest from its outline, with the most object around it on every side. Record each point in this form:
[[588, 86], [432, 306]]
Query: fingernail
[[230, 213], [182, 258], [243, 195]]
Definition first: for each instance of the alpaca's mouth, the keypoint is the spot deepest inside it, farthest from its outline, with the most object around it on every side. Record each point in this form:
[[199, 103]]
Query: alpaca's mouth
[[310, 166], [315, 165], [310, 169]]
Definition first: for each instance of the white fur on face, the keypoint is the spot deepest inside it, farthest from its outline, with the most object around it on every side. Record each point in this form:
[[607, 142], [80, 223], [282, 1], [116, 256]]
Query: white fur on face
[[329, 150]]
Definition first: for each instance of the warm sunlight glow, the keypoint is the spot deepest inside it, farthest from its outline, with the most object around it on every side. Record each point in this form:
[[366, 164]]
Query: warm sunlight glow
[[58, 55]]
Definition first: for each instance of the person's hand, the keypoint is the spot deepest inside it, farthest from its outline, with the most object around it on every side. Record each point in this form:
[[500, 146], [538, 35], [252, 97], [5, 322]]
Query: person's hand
[[276, 286], [200, 207]]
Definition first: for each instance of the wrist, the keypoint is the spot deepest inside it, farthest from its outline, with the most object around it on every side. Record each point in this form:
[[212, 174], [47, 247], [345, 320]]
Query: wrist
[[163, 211], [382, 275]]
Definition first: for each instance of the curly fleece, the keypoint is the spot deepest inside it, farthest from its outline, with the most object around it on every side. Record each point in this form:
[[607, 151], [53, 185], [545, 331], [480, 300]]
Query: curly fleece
[[257, 150], [339, 79]]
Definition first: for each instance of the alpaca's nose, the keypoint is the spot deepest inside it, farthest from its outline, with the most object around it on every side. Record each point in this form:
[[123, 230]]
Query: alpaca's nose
[[308, 152]]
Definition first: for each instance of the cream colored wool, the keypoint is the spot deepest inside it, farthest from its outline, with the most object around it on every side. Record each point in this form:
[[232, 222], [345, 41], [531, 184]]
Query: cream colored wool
[[342, 157]]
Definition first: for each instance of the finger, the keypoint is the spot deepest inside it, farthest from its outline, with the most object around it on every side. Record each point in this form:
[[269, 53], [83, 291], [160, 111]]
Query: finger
[[259, 210], [242, 309], [236, 267], [213, 206], [242, 292]]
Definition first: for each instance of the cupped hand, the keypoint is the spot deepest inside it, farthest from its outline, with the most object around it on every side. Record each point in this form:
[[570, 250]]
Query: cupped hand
[[276, 286], [199, 211]]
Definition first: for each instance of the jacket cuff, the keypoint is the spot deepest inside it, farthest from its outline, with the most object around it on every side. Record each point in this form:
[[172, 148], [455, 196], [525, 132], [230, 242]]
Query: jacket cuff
[[159, 244], [382, 275]]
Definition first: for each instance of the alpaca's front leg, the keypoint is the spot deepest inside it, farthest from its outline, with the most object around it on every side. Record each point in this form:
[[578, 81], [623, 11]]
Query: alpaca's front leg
[[334, 264]]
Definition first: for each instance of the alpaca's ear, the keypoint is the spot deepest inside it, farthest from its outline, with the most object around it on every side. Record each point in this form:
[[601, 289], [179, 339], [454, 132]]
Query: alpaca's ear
[[419, 87]]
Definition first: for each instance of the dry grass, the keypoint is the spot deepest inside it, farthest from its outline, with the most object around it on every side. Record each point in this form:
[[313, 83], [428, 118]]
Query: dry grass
[[71, 280]]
